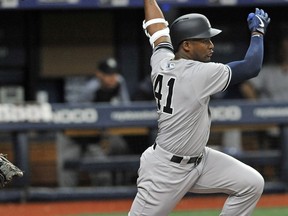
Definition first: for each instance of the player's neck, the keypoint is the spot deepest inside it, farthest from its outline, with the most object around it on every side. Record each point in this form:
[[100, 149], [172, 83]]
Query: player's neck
[[181, 55]]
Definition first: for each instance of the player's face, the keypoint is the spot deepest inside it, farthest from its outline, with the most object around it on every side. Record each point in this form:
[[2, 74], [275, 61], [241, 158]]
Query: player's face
[[201, 49], [108, 81]]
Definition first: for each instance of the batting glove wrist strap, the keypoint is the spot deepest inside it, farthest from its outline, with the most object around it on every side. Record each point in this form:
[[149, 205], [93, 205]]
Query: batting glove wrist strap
[[258, 21]]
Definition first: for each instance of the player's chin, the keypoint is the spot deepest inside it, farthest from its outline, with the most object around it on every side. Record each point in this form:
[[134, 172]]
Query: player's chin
[[206, 59], [209, 56]]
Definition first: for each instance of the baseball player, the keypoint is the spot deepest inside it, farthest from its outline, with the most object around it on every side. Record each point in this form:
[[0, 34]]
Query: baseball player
[[183, 80]]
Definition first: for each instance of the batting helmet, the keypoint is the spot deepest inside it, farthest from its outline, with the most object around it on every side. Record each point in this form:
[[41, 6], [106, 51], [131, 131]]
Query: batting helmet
[[191, 26]]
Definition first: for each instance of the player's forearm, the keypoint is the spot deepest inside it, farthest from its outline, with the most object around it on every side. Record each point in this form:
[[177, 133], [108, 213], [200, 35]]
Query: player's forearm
[[153, 11], [255, 51], [251, 65]]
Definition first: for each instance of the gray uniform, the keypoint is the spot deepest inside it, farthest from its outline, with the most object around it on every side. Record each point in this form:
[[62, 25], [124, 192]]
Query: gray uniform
[[188, 123], [182, 91]]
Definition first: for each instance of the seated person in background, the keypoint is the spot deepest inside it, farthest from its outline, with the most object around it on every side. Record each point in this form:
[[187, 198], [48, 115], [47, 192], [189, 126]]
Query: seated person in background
[[110, 87], [272, 83], [107, 85]]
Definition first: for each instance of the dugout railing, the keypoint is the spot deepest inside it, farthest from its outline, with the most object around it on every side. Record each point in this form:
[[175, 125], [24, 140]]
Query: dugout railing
[[20, 119]]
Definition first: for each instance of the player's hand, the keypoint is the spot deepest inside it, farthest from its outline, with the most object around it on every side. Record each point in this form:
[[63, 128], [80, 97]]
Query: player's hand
[[258, 21]]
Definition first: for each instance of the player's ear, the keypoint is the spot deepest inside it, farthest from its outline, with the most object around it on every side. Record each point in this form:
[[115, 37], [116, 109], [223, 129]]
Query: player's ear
[[186, 46]]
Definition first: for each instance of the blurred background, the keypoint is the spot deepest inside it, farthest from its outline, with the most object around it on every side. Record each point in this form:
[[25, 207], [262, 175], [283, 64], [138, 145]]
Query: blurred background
[[71, 149]]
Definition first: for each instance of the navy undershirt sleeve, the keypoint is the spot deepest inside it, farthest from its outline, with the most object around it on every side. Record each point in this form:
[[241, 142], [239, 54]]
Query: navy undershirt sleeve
[[251, 65]]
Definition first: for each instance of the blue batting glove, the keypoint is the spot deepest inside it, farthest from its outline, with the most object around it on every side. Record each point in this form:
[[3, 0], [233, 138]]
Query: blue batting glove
[[258, 21]]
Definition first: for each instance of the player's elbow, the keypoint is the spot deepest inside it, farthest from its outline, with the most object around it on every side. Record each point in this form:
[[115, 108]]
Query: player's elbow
[[255, 70], [243, 70], [251, 67]]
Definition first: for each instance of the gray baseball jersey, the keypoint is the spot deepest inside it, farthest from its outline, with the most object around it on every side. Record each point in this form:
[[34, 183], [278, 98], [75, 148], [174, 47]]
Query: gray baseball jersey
[[182, 89], [179, 161]]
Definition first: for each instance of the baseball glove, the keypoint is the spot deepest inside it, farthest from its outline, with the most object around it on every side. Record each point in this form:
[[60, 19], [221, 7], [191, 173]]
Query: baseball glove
[[8, 171]]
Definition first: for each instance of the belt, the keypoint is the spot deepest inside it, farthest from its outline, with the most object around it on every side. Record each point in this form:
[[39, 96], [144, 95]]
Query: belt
[[179, 159]]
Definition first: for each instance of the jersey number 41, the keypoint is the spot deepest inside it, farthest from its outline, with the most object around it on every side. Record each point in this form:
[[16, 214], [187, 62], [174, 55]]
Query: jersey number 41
[[158, 93]]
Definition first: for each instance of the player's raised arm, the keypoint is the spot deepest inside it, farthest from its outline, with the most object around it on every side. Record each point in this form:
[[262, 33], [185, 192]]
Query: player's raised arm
[[251, 65], [155, 25]]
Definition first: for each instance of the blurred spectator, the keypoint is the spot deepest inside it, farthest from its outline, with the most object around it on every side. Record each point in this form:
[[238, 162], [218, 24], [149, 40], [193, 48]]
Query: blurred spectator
[[271, 85], [107, 85], [272, 82]]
